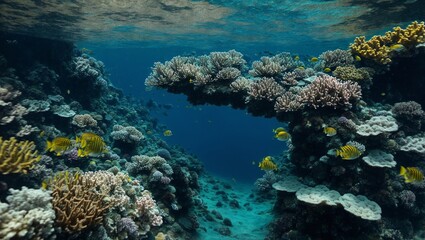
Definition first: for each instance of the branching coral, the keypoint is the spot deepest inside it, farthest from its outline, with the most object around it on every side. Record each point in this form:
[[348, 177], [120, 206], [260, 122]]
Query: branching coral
[[378, 48], [265, 89], [76, 205], [17, 156], [335, 58], [327, 91]]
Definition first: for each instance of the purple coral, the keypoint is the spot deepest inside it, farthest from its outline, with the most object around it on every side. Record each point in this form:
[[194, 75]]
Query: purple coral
[[127, 224], [407, 198], [408, 110], [327, 91]]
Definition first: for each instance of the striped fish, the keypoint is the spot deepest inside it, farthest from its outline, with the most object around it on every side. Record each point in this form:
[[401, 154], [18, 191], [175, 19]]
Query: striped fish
[[411, 174], [59, 145], [348, 152], [90, 144], [267, 164]]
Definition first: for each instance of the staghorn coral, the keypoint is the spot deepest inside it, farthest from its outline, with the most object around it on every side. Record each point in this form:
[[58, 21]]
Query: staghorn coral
[[241, 84], [288, 102], [17, 156], [265, 89], [327, 91], [83, 121], [267, 67], [335, 58], [217, 66], [76, 205]]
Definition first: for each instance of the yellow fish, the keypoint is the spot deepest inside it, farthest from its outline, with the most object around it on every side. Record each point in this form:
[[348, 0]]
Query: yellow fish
[[297, 58], [282, 136], [59, 145], [267, 164], [44, 185], [411, 174], [348, 152], [329, 131], [314, 59], [326, 70], [279, 129], [41, 134], [90, 144], [168, 133], [300, 68], [357, 58], [396, 47]]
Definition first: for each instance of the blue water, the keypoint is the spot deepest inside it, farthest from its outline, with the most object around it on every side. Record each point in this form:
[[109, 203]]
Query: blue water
[[227, 141]]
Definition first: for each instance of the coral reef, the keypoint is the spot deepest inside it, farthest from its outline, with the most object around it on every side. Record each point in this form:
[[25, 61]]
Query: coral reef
[[365, 95], [17, 156]]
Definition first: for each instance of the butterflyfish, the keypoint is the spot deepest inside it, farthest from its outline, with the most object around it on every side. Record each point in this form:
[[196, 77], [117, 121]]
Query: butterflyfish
[[411, 174], [329, 131], [297, 58], [282, 136], [90, 144], [357, 58], [59, 145], [267, 164], [348, 152], [326, 70], [168, 133], [314, 59]]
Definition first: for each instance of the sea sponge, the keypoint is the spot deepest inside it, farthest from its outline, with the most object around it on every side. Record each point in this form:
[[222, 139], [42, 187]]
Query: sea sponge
[[318, 194], [378, 158], [361, 206], [17, 156], [351, 73]]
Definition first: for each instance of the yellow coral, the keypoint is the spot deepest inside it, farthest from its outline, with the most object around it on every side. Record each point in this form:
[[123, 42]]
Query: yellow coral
[[375, 49], [378, 48], [413, 35], [17, 156]]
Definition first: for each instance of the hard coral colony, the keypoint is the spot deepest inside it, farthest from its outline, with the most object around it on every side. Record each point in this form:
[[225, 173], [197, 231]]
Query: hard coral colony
[[126, 183]]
